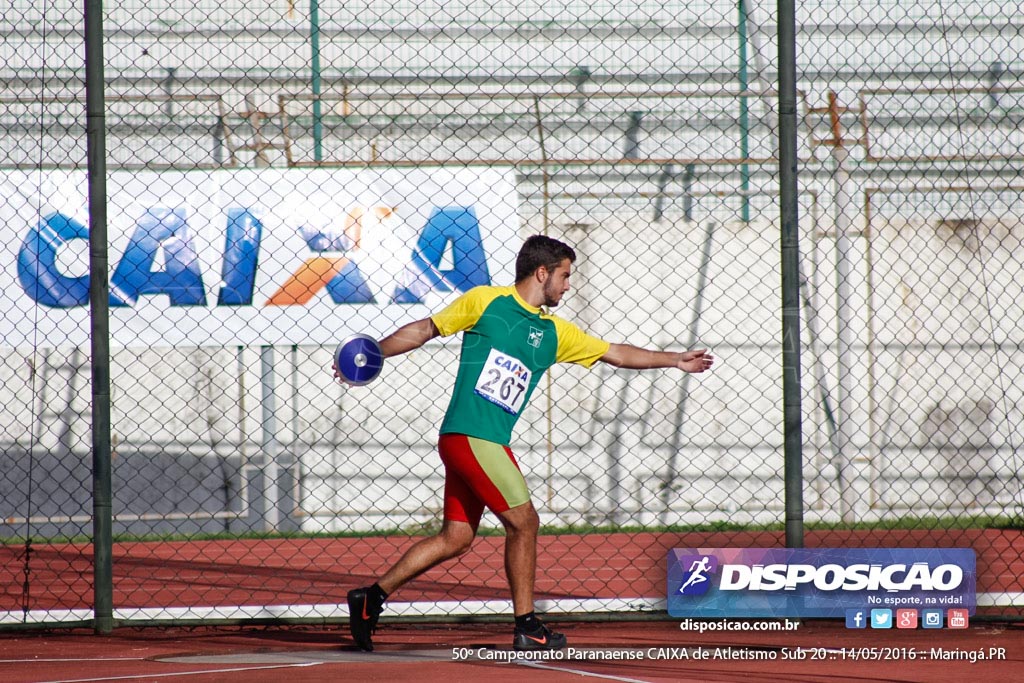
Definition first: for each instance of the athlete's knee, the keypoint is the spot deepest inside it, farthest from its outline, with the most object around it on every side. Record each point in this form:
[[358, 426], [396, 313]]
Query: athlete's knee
[[458, 538], [522, 519], [460, 545]]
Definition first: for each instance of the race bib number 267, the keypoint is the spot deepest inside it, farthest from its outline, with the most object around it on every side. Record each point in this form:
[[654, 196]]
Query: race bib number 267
[[504, 381]]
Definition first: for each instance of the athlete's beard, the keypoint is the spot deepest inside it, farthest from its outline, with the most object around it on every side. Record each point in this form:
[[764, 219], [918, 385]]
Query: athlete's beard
[[550, 300]]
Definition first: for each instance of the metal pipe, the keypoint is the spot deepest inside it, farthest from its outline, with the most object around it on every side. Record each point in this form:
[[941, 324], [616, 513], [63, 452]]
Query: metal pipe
[[614, 457], [820, 377], [631, 146], [99, 321], [688, 177], [744, 114], [545, 227], [169, 93], [269, 444], [667, 173], [789, 207], [314, 42], [845, 316]]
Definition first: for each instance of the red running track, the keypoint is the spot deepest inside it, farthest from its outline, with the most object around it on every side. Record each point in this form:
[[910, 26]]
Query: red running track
[[818, 651], [307, 571]]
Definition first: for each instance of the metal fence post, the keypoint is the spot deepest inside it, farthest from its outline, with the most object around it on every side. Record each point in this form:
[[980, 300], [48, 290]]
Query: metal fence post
[[99, 301], [789, 208]]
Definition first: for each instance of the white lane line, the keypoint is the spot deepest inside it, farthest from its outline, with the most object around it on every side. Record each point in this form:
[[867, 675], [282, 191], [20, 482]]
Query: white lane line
[[398, 609], [184, 673], [72, 659], [579, 672]]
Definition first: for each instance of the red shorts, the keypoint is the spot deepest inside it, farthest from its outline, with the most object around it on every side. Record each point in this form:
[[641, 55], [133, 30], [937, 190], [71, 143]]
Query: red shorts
[[479, 473]]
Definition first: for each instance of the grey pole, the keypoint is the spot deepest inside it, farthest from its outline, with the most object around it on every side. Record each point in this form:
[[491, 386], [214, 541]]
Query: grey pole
[[744, 85], [314, 43], [790, 266], [99, 322], [846, 323], [269, 458]]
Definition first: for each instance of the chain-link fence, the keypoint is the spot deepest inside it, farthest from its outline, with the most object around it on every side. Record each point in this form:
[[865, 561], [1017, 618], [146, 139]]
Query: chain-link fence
[[282, 175]]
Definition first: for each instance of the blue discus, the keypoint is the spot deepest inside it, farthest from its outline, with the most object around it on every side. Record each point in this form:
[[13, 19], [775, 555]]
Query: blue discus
[[359, 359]]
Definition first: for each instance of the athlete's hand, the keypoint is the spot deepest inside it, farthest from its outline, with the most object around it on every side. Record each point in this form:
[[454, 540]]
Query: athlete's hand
[[338, 377], [695, 361]]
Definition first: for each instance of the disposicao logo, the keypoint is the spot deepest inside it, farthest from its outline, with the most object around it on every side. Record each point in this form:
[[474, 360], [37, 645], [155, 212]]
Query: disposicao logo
[[697, 579], [823, 582]]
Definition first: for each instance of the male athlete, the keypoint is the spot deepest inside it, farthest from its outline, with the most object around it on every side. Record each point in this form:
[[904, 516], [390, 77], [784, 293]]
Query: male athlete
[[508, 342]]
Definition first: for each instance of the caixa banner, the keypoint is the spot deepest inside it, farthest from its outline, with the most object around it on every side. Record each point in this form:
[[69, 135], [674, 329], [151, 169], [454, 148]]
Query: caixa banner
[[820, 582], [237, 257]]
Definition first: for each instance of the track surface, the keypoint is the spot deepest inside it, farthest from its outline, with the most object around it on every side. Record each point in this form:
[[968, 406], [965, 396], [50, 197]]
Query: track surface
[[318, 571], [462, 653]]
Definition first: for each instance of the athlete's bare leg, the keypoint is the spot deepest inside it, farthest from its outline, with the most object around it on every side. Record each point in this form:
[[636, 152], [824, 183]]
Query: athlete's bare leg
[[521, 526], [454, 539]]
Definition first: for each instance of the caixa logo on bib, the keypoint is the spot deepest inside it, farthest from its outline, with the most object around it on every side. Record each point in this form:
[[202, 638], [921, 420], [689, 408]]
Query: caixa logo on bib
[[824, 582]]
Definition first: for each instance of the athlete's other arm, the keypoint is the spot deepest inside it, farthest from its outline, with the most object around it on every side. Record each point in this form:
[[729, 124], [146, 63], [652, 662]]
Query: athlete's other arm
[[636, 358], [408, 337]]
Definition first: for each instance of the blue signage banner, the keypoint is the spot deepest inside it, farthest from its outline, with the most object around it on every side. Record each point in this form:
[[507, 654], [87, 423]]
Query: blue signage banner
[[817, 582]]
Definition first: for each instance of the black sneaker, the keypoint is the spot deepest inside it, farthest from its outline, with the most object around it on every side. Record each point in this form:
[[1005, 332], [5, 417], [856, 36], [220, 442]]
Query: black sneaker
[[542, 638], [363, 612]]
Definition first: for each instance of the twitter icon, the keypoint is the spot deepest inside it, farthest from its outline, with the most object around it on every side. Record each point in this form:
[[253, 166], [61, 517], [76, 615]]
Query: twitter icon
[[881, 618]]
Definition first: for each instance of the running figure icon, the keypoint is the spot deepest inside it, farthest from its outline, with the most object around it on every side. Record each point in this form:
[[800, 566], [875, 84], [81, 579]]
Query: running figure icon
[[698, 573]]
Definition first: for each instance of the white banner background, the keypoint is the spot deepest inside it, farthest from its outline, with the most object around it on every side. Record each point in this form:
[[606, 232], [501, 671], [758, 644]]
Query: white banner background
[[284, 201]]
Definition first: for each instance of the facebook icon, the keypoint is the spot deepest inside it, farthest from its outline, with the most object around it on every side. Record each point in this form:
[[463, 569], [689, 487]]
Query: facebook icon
[[855, 618]]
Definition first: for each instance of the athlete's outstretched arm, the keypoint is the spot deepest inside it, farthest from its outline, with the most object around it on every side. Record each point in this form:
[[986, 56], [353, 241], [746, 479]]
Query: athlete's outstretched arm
[[636, 358], [408, 337]]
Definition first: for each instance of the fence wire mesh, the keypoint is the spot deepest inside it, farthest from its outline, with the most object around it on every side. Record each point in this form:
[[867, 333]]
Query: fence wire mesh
[[283, 175]]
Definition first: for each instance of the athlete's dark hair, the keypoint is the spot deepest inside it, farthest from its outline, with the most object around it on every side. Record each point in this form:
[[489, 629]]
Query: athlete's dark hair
[[538, 251]]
